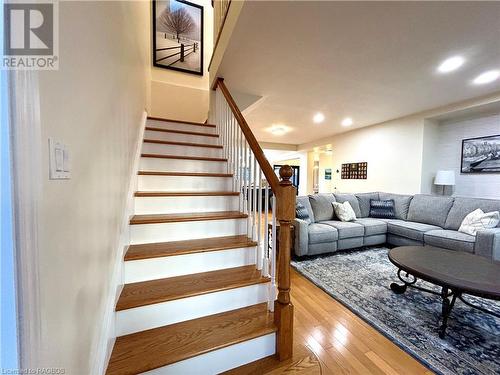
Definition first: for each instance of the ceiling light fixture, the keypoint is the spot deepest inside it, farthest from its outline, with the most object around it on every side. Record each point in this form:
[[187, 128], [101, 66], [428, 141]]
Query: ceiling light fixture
[[487, 77], [347, 121], [278, 129], [451, 64], [318, 118]]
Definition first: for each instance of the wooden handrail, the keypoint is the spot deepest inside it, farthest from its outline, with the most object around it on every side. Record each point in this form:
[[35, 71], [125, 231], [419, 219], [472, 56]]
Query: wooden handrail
[[268, 171], [285, 194]]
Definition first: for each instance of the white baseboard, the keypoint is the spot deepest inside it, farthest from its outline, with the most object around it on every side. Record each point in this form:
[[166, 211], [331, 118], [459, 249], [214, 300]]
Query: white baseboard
[[101, 350]]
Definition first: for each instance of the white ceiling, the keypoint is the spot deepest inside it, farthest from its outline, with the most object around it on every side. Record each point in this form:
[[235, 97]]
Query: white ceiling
[[372, 61]]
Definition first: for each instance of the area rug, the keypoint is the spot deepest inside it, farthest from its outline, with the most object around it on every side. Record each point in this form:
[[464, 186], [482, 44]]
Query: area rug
[[360, 280]]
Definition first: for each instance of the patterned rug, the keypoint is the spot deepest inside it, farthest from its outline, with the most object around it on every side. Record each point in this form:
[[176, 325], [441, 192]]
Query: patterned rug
[[360, 280]]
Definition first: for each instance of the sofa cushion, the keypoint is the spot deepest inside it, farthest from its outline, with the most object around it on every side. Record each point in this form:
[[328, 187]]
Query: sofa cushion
[[302, 213], [321, 205], [450, 239], [372, 226], [320, 233], [382, 209], [464, 206], [409, 229], [429, 209], [353, 201], [401, 204], [478, 220], [344, 211], [304, 200], [364, 203], [346, 229]]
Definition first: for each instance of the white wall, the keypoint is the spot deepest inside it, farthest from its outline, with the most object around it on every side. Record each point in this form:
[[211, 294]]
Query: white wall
[[448, 151], [93, 104], [184, 96], [393, 151]]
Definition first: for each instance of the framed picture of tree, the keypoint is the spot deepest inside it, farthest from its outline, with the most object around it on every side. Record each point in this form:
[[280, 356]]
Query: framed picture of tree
[[178, 36]]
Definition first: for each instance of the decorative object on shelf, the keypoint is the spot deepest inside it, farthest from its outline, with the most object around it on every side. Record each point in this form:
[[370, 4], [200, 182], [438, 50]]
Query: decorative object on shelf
[[354, 171], [178, 36], [445, 178], [328, 174], [481, 155]]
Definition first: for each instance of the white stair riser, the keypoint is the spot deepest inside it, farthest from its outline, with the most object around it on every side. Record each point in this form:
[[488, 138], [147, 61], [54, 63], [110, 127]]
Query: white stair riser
[[179, 137], [184, 183], [180, 126], [176, 205], [189, 230], [171, 266], [182, 165], [159, 148], [165, 313], [221, 360]]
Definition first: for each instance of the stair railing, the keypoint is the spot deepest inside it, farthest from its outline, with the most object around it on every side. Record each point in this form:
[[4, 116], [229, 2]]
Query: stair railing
[[259, 187]]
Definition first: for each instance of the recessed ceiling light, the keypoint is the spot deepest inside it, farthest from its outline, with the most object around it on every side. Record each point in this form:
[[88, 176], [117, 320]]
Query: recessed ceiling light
[[451, 64], [347, 121], [487, 77], [318, 118], [278, 129]]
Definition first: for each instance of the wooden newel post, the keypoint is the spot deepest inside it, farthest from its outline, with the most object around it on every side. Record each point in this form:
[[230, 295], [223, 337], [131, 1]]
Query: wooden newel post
[[283, 308]]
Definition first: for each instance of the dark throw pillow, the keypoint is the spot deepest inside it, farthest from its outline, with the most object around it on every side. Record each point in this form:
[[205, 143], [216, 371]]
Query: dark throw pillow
[[382, 209], [301, 213]]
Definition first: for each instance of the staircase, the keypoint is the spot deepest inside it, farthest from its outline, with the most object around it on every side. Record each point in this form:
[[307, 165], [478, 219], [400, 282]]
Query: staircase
[[199, 283]]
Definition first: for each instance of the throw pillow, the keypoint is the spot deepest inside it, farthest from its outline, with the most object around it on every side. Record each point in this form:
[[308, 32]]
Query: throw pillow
[[301, 213], [344, 211], [478, 220], [382, 209]]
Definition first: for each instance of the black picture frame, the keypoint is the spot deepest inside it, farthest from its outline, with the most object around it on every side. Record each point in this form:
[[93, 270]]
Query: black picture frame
[[166, 62], [487, 158]]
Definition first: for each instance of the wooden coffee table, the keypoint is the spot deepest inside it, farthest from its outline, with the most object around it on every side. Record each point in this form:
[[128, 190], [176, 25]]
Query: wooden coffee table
[[457, 273]]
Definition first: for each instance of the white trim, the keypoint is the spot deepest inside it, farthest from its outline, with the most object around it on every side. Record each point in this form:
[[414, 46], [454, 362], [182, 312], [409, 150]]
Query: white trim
[[25, 129], [220, 360], [101, 350]]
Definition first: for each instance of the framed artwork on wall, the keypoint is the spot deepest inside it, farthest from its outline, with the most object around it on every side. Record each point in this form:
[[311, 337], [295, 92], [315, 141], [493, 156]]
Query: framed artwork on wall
[[178, 36], [354, 171], [481, 155]]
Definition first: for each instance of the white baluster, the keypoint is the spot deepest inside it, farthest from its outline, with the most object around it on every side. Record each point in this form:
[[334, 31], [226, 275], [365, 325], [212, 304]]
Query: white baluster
[[240, 167], [260, 258], [265, 265], [245, 177], [251, 202]]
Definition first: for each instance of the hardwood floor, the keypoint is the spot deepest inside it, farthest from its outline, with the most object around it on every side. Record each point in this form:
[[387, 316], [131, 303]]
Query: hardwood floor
[[330, 339]]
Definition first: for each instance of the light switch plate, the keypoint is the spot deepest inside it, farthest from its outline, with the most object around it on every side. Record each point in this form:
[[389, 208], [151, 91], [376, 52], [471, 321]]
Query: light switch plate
[[59, 167]]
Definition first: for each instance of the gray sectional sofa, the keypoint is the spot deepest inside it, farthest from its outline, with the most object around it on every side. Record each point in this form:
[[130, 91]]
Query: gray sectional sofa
[[420, 220]]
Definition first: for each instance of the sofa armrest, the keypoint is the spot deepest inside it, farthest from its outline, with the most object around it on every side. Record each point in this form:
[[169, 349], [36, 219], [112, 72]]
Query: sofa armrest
[[301, 237], [488, 243]]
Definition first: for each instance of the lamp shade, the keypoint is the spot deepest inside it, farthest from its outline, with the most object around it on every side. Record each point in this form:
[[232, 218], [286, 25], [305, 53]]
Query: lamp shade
[[445, 178]]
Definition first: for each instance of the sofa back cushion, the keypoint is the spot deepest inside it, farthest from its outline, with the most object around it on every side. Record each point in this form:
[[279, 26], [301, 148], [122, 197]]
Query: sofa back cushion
[[322, 206], [382, 209], [353, 201], [304, 201], [401, 203], [430, 209], [364, 202], [464, 206]]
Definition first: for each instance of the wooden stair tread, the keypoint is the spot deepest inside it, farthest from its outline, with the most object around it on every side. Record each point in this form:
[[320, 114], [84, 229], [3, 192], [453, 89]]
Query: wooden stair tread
[[183, 174], [162, 249], [189, 144], [154, 348], [164, 156], [185, 193], [181, 122], [152, 128], [161, 290], [191, 216]]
